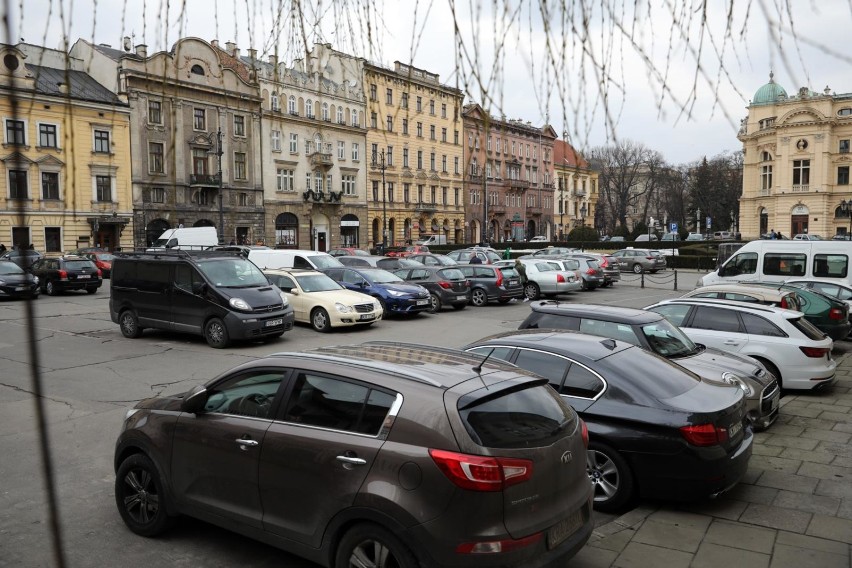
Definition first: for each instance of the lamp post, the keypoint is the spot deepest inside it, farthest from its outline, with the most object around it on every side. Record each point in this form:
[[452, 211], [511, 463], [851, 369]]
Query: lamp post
[[379, 164], [219, 176], [583, 211], [846, 207], [561, 209]]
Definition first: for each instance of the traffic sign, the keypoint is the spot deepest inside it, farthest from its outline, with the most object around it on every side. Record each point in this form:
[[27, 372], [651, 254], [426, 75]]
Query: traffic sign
[[708, 222], [673, 227]]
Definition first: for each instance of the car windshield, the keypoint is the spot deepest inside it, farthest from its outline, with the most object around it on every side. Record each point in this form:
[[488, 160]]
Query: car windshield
[[668, 340], [79, 264], [105, 257], [317, 283], [322, 261], [382, 276], [233, 273], [10, 268]]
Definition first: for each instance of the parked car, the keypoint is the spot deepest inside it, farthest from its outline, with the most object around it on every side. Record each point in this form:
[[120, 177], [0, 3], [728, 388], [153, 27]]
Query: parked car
[[807, 237], [446, 285], [646, 237], [244, 250], [828, 287], [323, 303], [545, 279], [407, 250], [787, 299], [670, 237], [394, 295], [640, 260], [616, 239], [431, 259], [365, 456], [65, 273], [463, 256], [551, 251], [15, 282], [103, 260], [376, 261], [673, 437], [829, 315], [788, 345], [695, 237], [22, 257], [591, 273], [609, 266], [348, 251], [489, 283], [653, 332], [538, 239]]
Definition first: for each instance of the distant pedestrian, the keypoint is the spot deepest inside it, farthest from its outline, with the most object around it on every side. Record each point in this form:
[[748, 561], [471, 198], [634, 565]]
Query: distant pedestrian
[[522, 272], [507, 254], [779, 236], [2, 248], [772, 235], [475, 259]]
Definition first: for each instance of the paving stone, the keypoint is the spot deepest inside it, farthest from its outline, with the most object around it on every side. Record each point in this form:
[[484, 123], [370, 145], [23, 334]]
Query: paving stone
[[638, 555], [615, 542], [831, 528], [785, 430], [753, 494], [845, 511], [825, 471], [786, 556], [834, 488], [842, 461], [792, 442], [769, 463], [681, 519], [811, 543], [713, 556], [740, 535], [838, 449], [590, 557], [788, 482], [776, 518], [806, 502], [818, 423], [751, 475], [805, 455], [827, 436], [802, 411], [843, 427], [668, 535], [828, 407], [721, 508], [836, 417], [764, 450]]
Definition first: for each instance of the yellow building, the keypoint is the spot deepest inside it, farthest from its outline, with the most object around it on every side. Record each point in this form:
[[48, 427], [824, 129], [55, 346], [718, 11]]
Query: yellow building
[[66, 155], [576, 189], [796, 163], [414, 177]]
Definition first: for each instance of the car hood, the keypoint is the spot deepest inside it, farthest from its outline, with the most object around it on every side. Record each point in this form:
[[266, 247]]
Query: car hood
[[25, 278], [257, 297], [413, 289], [170, 403], [710, 363], [348, 297]]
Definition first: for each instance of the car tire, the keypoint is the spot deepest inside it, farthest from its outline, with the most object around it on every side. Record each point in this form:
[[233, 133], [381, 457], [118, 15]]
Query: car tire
[[129, 325], [459, 306], [368, 544], [434, 304], [610, 477], [637, 269], [140, 496], [91, 290], [384, 306], [216, 334], [50, 288], [320, 320], [532, 291], [478, 297]]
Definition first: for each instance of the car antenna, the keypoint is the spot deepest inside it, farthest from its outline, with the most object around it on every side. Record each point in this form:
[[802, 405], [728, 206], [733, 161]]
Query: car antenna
[[478, 368]]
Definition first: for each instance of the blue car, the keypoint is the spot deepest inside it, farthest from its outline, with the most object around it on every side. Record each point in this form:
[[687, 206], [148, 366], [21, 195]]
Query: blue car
[[395, 295]]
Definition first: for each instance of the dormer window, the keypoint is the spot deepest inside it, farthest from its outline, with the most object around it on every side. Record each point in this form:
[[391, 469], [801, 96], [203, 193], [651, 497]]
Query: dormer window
[[197, 70]]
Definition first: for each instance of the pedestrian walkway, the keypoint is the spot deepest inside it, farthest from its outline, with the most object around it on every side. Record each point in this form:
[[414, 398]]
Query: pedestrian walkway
[[793, 508]]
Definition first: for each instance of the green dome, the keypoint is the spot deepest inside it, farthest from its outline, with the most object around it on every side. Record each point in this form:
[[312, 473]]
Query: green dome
[[769, 93]]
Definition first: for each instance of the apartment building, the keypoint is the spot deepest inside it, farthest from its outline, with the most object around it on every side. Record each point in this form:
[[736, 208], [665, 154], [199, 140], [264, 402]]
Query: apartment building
[[576, 189]]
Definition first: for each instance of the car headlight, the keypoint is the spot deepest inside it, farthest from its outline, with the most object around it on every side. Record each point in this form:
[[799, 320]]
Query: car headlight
[[734, 380], [35, 279], [2, 282], [240, 304], [343, 308], [283, 298], [376, 306], [396, 293]]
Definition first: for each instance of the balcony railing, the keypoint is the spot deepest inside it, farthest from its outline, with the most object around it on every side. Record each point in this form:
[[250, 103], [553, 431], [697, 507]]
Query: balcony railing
[[497, 209], [764, 192], [580, 192], [519, 184], [801, 188], [204, 179], [425, 207], [533, 210], [321, 159]]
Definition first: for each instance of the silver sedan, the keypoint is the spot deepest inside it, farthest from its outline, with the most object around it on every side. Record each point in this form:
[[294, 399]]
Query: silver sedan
[[544, 278]]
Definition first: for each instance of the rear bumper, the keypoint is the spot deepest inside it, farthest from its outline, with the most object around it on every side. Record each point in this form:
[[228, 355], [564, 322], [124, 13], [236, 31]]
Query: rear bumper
[[836, 332], [77, 284]]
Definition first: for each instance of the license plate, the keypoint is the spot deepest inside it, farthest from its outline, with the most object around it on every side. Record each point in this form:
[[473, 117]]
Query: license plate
[[273, 323], [461, 297], [513, 282], [82, 276], [367, 317], [20, 289], [735, 429], [563, 529], [422, 302]]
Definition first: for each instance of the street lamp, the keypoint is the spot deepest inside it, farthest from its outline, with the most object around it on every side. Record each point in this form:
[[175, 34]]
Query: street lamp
[[379, 164], [846, 207], [219, 153], [475, 172], [561, 209], [583, 211]]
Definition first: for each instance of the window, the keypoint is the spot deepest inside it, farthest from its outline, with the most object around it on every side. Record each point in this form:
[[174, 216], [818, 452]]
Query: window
[[156, 164], [374, 153], [354, 115], [274, 102], [199, 161], [843, 175], [197, 70], [374, 93], [103, 188], [743, 263], [390, 123], [406, 192], [443, 110], [551, 367], [340, 115], [432, 132], [801, 172], [844, 146], [155, 112], [432, 107], [375, 190], [717, 319], [294, 143], [247, 394], [240, 165], [373, 120], [444, 163], [309, 108], [199, 119], [444, 195], [830, 265], [405, 126], [338, 405], [50, 185], [419, 159], [389, 96], [158, 195], [756, 325], [291, 105], [47, 136], [456, 137], [456, 196], [766, 177], [355, 150], [434, 194], [456, 165], [341, 150], [432, 161], [325, 113], [242, 199], [16, 132], [404, 102], [419, 104], [239, 125], [390, 191], [419, 194], [102, 141], [275, 140], [52, 239], [347, 184], [784, 264], [405, 157], [18, 184], [389, 156], [443, 135], [285, 179], [420, 130]]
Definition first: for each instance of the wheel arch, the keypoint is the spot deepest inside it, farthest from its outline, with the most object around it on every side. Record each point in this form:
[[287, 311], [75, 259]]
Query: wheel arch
[[353, 516], [140, 446]]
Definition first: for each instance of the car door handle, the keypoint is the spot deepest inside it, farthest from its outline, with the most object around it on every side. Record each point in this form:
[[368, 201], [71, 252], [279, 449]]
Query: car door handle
[[245, 442], [352, 461], [731, 342]]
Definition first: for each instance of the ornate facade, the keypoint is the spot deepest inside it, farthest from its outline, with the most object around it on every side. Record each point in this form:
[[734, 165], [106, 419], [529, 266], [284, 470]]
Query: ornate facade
[[576, 189]]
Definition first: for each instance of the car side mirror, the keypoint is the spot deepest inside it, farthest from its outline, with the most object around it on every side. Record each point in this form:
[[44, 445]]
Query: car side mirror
[[195, 399]]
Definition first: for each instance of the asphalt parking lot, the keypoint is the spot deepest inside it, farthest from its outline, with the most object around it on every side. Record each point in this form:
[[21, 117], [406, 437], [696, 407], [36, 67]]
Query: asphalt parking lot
[[794, 508]]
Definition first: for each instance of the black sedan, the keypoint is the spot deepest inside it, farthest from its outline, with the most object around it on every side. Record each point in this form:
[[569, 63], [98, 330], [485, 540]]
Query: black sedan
[[65, 273], [15, 283], [675, 437], [446, 285]]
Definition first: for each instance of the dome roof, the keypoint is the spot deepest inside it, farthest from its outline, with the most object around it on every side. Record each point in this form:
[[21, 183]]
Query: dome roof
[[769, 93]]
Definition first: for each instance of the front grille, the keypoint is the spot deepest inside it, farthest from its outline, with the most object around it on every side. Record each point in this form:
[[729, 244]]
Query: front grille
[[767, 395], [363, 308], [269, 308]]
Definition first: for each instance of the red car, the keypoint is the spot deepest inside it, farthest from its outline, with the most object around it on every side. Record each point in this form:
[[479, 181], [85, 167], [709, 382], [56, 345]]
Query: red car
[[102, 260], [407, 251]]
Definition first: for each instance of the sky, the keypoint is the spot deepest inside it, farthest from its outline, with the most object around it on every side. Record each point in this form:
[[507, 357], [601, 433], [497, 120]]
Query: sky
[[629, 72]]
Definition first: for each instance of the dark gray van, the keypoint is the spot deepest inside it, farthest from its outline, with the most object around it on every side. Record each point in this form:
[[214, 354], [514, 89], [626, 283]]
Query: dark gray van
[[219, 295]]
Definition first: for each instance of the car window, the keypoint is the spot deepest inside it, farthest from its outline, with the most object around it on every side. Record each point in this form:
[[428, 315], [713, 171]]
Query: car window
[[186, 276], [833, 290], [757, 325], [467, 271], [675, 313], [484, 272], [451, 274], [320, 261], [317, 283], [784, 264], [545, 267], [352, 277], [420, 274], [337, 404], [581, 382], [741, 297], [620, 331], [807, 328], [382, 276], [552, 321], [551, 367], [283, 282], [830, 265], [503, 353], [743, 263], [246, 394], [717, 319], [667, 340], [705, 295]]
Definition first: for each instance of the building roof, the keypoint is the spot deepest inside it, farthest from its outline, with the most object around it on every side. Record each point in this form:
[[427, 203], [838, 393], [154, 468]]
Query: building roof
[[566, 156], [769, 93], [81, 86]]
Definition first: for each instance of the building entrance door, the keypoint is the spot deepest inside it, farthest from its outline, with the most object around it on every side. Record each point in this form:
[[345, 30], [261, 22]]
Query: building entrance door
[[798, 225]]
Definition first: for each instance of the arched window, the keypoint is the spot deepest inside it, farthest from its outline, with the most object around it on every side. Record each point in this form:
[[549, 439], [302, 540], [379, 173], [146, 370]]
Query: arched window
[[291, 105], [274, 103], [197, 70], [325, 115], [309, 108], [354, 117], [287, 231], [340, 115], [318, 144]]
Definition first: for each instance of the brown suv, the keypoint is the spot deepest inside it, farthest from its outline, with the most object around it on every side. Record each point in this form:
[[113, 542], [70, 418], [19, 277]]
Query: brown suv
[[379, 454]]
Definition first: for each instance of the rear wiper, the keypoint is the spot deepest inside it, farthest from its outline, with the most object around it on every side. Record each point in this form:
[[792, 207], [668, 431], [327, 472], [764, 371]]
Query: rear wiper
[[561, 426]]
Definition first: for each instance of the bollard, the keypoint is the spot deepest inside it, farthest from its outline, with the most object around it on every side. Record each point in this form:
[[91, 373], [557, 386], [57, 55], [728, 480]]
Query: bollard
[[642, 279], [675, 280]]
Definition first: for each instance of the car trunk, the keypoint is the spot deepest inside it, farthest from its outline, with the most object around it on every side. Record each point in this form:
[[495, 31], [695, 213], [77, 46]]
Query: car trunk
[[711, 403]]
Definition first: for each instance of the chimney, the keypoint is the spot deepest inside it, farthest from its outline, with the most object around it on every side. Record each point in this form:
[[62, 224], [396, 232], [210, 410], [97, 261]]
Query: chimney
[[230, 47], [252, 54], [215, 43], [142, 50], [126, 43], [273, 60], [63, 88]]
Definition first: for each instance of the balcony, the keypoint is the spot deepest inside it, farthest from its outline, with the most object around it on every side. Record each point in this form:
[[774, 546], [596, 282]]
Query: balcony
[[497, 209], [801, 188], [204, 179], [547, 186], [425, 207], [764, 192], [519, 184], [533, 210], [579, 193], [321, 159]]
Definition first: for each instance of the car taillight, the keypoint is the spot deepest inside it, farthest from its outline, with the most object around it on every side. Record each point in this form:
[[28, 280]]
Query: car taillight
[[585, 433], [63, 275], [704, 434], [815, 352], [835, 314], [499, 278], [481, 473], [100, 274], [497, 546], [650, 257], [590, 271], [560, 278], [445, 285], [604, 263]]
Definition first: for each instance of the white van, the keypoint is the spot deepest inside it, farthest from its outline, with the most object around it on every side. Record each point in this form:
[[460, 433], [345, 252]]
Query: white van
[[292, 258], [433, 240], [194, 238], [777, 261]]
